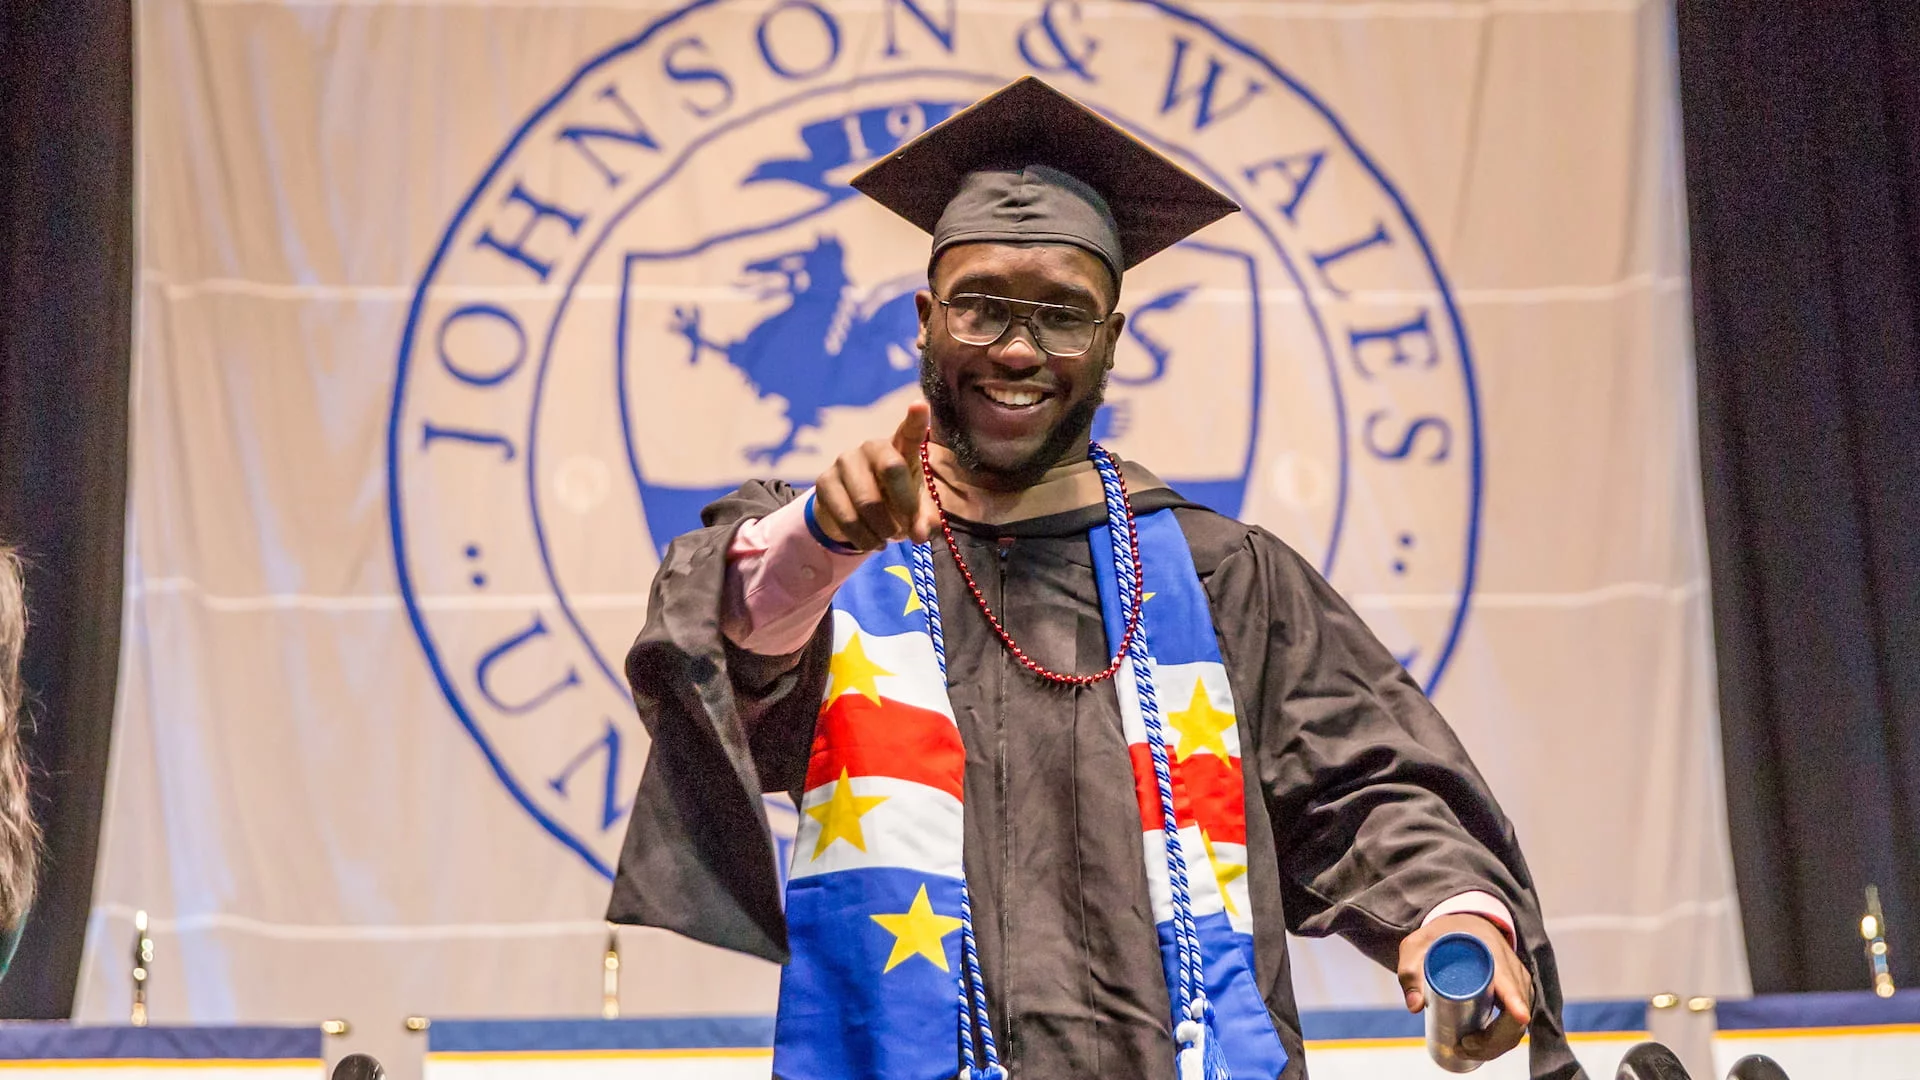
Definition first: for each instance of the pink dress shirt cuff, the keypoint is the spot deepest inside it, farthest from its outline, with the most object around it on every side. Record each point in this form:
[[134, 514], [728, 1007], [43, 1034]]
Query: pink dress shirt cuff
[[780, 581], [1485, 905]]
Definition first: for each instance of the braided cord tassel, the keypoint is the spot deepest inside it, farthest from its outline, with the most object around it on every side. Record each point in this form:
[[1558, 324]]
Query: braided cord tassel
[[1200, 1055], [1127, 572], [973, 991]]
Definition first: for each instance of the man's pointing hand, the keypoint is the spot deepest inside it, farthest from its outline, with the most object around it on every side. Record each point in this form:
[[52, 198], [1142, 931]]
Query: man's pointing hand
[[876, 492]]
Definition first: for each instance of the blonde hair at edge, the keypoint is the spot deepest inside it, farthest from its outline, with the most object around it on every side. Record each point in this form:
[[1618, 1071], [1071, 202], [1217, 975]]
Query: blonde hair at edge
[[19, 837]]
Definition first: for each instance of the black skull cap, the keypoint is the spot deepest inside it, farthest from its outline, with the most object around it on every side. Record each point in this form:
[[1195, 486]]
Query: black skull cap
[[1029, 165]]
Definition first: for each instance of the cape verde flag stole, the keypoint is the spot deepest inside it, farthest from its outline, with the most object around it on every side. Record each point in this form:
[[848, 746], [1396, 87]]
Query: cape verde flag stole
[[1199, 723], [872, 990]]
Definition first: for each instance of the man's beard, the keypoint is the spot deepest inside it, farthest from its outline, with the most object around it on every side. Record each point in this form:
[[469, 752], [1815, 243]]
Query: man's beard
[[1073, 426]]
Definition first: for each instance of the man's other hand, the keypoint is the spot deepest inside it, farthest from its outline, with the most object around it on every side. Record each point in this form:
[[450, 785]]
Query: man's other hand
[[876, 493], [1512, 983]]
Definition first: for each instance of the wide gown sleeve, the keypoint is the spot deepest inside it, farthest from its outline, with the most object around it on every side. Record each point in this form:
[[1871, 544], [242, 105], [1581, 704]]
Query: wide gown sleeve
[[1378, 814], [725, 726]]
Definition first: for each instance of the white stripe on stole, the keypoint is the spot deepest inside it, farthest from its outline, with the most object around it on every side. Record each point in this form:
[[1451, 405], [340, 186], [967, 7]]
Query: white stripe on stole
[[1228, 864], [915, 827], [1201, 887], [907, 670], [1173, 688]]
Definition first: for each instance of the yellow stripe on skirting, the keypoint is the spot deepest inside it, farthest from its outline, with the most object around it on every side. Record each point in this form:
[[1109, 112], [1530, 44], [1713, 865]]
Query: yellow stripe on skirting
[[1405, 1043], [164, 1063], [1819, 1032], [737, 1053], [1363, 1044]]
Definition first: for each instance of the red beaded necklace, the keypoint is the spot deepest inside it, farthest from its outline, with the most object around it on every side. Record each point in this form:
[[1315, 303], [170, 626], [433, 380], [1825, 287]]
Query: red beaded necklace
[[1133, 613]]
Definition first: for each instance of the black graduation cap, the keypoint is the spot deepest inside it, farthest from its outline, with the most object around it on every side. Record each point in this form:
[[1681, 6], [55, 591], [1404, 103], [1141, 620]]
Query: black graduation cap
[[1028, 164]]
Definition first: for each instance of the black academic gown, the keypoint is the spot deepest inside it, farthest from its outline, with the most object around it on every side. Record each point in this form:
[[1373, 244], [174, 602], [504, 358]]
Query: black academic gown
[[1363, 810]]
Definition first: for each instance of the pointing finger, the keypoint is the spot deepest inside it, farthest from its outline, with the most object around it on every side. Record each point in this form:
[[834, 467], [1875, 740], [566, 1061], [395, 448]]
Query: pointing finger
[[924, 521], [912, 431]]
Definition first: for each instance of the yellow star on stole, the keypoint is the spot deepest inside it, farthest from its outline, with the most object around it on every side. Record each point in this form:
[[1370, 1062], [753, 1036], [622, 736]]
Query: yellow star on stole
[[1223, 872], [1200, 726], [905, 573], [839, 816], [851, 670], [917, 932]]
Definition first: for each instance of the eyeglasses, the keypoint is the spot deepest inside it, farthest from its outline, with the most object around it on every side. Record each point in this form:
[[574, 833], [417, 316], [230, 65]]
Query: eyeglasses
[[1059, 329]]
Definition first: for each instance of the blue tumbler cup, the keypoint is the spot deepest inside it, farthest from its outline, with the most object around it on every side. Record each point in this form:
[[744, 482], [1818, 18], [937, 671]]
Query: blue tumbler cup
[[1459, 977]]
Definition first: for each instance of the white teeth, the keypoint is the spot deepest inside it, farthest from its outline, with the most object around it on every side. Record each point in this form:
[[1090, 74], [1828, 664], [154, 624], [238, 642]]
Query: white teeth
[[1015, 397]]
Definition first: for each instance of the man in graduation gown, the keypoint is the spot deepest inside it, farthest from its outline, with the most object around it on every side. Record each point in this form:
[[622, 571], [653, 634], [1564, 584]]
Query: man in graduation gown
[[1363, 816]]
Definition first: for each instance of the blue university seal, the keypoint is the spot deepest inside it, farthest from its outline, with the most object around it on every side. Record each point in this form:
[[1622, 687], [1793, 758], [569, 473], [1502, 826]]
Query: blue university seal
[[663, 286]]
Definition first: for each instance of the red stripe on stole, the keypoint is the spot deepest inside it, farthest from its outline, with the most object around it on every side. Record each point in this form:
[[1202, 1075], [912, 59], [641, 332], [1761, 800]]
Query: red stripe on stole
[[886, 739], [1207, 790]]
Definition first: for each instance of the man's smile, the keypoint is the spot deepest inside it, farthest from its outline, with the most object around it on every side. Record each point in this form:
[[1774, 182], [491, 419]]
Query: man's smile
[[1001, 410], [1016, 397]]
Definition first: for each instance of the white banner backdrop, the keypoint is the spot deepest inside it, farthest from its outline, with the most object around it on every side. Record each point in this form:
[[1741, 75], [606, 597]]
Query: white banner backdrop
[[453, 312]]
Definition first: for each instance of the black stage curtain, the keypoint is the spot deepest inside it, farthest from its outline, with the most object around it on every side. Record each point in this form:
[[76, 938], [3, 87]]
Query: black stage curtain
[[1802, 121], [66, 229]]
